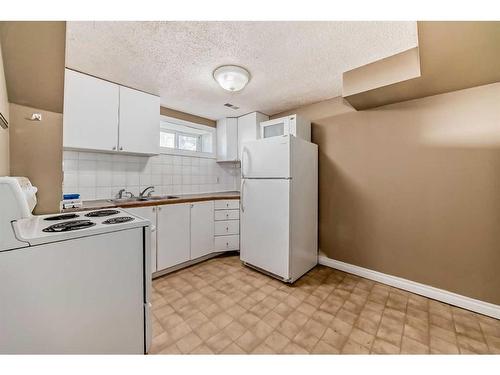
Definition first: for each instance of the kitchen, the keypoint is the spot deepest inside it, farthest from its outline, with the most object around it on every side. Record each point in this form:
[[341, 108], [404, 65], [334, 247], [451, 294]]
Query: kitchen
[[256, 220]]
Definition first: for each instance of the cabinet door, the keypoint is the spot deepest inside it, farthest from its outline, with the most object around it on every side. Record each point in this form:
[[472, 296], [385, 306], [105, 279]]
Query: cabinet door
[[202, 229], [90, 118], [173, 235], [139, 122], [150, 214], [249, 128], [227, 139]]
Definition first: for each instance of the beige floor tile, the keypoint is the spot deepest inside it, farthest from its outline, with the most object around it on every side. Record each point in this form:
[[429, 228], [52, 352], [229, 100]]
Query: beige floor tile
[[346, 316], [262, 329], [276, 341], [324, 348], [172, 349], [422, 336], [472, 345], [207, 330], [188, 342], [202, 349], [383, 347], [353, 347], [334, 338], [196, 320], [306, 309], [234, 330], [341, 327], [221, 306], [218, 342], [441, 346], [410, 346], [273, 319], [233, 349], [263, 349], [293, 348], [443, 334], [361, 337], [306, 340], [221, 320], [248, 341]]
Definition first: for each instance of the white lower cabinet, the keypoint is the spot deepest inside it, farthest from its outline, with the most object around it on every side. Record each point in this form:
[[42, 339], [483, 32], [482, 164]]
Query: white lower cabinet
[[187, 231], [173, 235], [150, 214], [202, 229], [227, 225]]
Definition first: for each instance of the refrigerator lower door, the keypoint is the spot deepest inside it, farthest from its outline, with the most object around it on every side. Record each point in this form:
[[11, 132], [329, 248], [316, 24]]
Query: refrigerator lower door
[[265, 225], [266, 158]]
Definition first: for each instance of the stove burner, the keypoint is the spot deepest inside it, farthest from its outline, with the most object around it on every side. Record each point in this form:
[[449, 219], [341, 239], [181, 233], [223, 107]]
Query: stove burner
[[61, 217], [118, 220], [102, 213], [69, 225]]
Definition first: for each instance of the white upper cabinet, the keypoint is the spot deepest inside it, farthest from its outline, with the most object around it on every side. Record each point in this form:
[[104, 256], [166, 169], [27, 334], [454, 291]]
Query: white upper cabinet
[[103, 116], [249, 128], [202, 229], [227, 139], [139, 122], [90, 118]]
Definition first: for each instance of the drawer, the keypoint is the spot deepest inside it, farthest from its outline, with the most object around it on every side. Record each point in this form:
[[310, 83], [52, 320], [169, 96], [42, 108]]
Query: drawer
[[227, 243], [227, 204], [223, 228], [227, 215]]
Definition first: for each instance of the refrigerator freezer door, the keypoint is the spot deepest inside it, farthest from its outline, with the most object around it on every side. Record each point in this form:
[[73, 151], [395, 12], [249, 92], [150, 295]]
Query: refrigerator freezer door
[[265, 225], [266, 158]]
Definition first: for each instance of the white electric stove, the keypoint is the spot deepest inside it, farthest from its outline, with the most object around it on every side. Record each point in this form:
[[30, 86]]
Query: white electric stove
[[72, 283]]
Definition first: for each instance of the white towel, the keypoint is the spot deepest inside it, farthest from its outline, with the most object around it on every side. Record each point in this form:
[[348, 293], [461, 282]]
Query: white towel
[[28, 190]]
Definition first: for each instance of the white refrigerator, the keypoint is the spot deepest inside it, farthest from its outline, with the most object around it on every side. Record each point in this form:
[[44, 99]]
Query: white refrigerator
[[279, 206]]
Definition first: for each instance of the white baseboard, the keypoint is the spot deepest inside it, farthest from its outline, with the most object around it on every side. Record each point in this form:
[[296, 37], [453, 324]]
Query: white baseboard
[[442, 295]]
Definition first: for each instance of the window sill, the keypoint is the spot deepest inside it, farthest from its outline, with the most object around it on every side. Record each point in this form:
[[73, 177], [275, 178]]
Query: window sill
[[173, 151]]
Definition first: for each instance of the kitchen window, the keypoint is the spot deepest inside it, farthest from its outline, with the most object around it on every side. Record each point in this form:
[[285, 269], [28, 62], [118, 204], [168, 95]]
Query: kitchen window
[[179, 137]]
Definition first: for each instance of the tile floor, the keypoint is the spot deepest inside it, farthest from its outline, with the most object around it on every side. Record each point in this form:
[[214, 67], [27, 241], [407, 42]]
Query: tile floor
[[220, 306]]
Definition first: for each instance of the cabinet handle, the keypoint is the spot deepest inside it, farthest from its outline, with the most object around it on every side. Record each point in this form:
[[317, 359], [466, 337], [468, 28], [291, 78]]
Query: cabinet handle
[[121, 148], [154, 209], [114, 148], [159, 208]]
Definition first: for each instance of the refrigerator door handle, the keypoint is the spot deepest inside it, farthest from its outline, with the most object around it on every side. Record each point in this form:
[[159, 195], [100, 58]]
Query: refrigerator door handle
[[242, 195], [243, 152]]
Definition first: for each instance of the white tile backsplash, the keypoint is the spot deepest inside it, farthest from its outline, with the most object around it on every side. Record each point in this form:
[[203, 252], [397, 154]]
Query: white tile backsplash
[[101, 176]]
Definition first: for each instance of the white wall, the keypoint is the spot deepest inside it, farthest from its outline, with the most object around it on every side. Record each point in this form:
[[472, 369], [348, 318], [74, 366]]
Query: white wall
[[101, 176], [4, 133]]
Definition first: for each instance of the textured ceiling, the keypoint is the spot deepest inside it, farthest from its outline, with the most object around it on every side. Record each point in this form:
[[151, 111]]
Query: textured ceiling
[[291, 63]]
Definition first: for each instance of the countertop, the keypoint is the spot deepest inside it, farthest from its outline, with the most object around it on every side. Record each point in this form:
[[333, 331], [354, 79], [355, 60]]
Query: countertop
[[182, 198]]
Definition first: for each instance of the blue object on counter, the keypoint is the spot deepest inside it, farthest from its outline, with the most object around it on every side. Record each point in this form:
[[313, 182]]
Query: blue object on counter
[[71, 196]]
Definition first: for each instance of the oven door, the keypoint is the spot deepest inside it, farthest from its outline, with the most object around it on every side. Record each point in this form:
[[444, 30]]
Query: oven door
[[275, 128]]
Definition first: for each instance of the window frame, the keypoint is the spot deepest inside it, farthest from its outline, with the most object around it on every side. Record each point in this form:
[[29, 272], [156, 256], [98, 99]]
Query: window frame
[[176, 150]]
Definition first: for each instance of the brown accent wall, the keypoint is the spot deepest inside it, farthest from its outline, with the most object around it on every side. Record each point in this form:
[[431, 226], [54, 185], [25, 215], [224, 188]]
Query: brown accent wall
[[454, 55], [34, 55], [413, 190], [186, 116], [36, 152]]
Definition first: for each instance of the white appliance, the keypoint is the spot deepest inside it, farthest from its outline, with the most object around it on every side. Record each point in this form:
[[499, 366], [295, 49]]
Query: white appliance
[[279, 206], [293, 125], [72, 283]]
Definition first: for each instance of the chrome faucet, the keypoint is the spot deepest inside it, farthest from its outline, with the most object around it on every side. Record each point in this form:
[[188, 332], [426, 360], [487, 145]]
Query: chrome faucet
[[143, 194], [122, 192]]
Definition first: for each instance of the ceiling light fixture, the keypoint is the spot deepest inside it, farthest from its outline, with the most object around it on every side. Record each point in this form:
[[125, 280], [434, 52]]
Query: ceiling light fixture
[[231, 77]]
